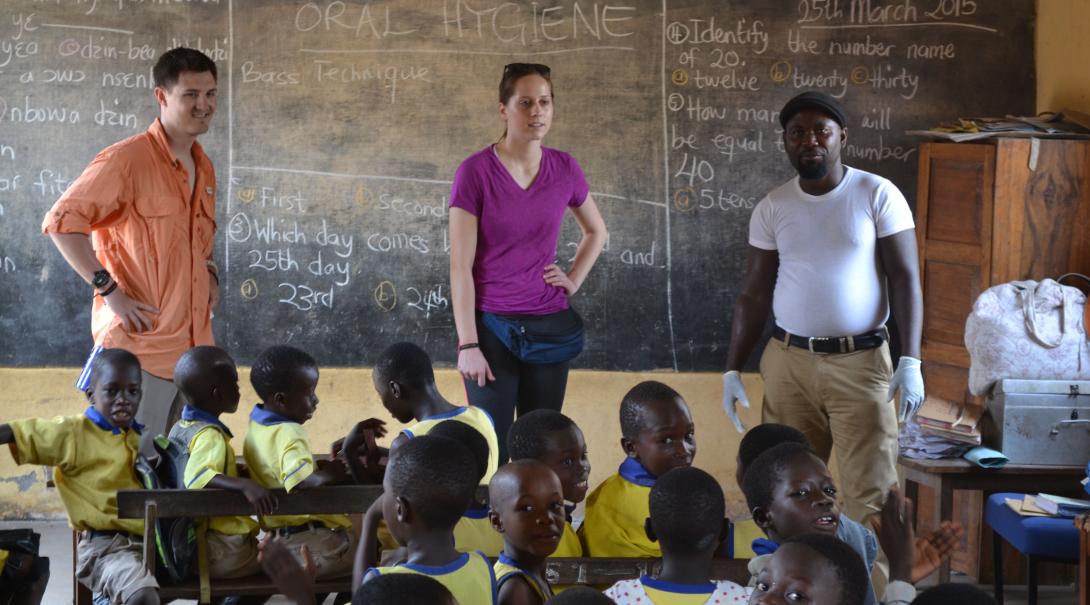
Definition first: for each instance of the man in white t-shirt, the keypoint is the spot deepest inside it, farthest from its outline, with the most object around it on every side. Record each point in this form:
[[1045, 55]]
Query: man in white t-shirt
[[832, 252]]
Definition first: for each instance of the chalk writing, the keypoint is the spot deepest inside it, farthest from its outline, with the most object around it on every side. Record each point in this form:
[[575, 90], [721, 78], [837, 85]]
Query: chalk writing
[[114, 117], [430, 300], [509, 22], [305, 298], [385, 296], [50, 183], [32, 114], [705, 31], [337, 16], [11, 49]]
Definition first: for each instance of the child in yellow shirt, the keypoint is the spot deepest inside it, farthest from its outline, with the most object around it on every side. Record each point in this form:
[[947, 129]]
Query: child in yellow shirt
[[555, 440], [92, 456], [208, 380], [278, 454], [657, 435], [527, 507], [429, 483]]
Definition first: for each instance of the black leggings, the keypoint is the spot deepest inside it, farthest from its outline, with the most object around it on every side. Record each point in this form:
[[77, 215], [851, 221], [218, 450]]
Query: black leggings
[[518, 385]]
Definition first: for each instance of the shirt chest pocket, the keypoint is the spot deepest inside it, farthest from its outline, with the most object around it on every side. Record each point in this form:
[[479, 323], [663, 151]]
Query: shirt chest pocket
[[204, 223], [162, 222]]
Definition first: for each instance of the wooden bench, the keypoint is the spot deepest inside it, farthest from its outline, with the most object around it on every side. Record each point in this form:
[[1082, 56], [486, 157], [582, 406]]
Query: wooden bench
[[152, 505]]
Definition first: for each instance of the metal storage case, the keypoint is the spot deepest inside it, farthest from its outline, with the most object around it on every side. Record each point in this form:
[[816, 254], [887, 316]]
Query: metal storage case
[[1043, 422]]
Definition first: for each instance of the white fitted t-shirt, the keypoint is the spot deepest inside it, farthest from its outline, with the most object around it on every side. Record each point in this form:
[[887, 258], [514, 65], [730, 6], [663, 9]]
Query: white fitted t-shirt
[[829, 281]]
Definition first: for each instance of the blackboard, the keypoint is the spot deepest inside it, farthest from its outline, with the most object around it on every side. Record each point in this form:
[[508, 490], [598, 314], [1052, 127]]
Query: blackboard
[[340, 125]]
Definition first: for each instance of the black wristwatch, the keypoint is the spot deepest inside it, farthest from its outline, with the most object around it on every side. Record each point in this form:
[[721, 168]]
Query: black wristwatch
[[100, 279]]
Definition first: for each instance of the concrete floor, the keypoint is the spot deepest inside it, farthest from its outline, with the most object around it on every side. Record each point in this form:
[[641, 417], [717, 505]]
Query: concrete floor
[[57, 545]]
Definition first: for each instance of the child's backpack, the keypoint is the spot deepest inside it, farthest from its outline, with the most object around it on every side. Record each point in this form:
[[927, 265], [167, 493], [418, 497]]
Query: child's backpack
[[175, 539]]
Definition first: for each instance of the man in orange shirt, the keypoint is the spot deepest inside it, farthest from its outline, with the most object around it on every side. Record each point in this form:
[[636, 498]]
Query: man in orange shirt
[[138, 226]]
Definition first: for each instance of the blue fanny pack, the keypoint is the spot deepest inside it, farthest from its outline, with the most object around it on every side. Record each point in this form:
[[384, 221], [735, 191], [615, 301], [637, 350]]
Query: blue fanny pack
[[534, 338]]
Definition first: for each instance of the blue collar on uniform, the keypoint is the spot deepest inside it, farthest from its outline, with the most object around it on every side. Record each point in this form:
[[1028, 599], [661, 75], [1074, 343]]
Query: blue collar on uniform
[[191, 413], [101, 422], [474, 512], [438, 570], [676, 588], [764, 546], [503, 558], [632, 471], [451, 414], [262, 416]]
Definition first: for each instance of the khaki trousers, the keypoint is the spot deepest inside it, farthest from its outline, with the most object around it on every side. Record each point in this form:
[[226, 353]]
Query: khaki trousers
[[333, 551], [838, 400], [160, 407]]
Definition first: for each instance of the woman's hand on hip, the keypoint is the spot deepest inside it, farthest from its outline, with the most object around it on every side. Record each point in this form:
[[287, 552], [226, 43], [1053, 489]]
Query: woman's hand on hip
[[473, 366], [555, 276]]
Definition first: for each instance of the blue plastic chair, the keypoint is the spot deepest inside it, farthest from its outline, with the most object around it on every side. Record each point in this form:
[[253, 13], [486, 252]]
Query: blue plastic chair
[[1038, 538]]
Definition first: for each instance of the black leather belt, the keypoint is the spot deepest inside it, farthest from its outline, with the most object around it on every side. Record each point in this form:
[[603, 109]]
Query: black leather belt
[[833, 344], [298, 529]]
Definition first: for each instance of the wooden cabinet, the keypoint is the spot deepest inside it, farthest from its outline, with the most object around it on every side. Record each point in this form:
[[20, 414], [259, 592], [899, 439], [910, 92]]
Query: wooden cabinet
[[986, 214]]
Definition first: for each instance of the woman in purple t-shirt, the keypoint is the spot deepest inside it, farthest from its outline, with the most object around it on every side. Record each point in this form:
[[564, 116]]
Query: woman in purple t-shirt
[[507, 204]]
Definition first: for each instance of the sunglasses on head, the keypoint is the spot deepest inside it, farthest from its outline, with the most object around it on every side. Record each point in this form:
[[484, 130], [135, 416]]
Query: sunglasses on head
[[527, 68]]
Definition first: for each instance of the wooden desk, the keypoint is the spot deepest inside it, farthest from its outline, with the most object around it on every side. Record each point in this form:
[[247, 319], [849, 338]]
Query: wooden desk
[[945, 476]]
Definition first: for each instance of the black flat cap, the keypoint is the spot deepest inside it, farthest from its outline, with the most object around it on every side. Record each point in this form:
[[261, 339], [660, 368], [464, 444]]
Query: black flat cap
[[812, 99]]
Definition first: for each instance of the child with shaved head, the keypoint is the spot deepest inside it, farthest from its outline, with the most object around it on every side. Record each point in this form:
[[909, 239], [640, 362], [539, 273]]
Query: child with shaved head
[[657, 435], [208, 380], [527, 507]]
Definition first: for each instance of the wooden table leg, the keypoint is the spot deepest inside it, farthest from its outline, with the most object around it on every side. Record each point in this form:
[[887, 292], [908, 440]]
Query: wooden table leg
[[945, 512], [912, 492]]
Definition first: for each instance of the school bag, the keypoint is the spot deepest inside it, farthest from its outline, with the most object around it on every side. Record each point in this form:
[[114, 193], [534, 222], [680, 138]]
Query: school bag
[[176, 539], [1030, 330]]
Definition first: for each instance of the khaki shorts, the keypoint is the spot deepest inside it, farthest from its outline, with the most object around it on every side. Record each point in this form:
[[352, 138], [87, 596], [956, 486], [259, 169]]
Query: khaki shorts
[[231, 556], [113, 566], [333, 551]]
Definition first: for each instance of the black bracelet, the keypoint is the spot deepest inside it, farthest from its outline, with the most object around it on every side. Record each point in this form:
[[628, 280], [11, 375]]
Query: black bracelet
[[467, 346], [108, 291]]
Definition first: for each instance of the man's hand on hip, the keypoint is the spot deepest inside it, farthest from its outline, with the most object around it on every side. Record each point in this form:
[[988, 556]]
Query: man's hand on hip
[[907, 384], [135, 316], [734, 392]]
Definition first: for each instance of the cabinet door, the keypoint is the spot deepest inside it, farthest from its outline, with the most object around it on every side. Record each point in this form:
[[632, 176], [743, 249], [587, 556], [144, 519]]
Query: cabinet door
[[954, 206], [1042, 209]]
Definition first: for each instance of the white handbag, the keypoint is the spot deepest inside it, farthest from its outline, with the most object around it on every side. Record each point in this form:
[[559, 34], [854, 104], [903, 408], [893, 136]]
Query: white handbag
[[1029, 330]]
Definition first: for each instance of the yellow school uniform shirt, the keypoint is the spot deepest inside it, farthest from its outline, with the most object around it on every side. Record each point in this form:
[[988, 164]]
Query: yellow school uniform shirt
[[475, 532], [469, 578], [3, 558], [474, 417], [506, 568], [745, 532], [278, 455], [211, 454], [92, 459], [616, 514], [569, 546]]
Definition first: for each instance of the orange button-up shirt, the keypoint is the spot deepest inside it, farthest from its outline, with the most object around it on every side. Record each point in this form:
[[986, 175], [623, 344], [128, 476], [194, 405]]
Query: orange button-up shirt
[[153, 236]]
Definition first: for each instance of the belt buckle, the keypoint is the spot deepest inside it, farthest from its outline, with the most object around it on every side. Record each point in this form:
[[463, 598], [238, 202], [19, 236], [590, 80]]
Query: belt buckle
[[810, 342]]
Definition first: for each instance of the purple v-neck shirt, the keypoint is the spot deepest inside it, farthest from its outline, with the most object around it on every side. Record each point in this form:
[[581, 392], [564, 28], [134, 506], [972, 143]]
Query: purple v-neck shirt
[[517, 229]]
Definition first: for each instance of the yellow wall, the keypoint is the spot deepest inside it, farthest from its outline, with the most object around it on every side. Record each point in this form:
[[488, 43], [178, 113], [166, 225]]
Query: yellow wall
[[593, 397], [346, 395], [1063, 52]]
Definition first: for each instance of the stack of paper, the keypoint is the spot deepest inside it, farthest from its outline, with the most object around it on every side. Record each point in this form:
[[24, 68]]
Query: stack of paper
[[1058, 506], [915, 443], [952, 421], [1026, 507]]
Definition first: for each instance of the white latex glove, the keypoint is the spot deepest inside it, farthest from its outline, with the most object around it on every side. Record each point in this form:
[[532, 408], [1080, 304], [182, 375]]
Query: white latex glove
[[734, 390], [908, 379]]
